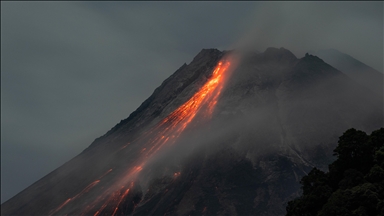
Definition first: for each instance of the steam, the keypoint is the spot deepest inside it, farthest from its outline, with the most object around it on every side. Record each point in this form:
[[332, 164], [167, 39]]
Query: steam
[[308, 26], [299, 27], [163, 134]]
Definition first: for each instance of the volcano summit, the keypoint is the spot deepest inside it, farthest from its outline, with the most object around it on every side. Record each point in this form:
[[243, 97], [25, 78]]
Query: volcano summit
[[231, 133]]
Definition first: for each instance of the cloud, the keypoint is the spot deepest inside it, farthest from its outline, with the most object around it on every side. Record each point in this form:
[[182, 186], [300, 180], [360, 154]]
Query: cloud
[[355, 29], [72, 70]]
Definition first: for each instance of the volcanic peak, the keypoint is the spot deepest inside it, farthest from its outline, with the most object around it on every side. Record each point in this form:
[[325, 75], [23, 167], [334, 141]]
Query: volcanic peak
[[281, 54]]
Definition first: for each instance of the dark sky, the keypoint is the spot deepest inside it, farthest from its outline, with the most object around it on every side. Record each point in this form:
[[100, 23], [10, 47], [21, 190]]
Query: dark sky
[[70, 71]]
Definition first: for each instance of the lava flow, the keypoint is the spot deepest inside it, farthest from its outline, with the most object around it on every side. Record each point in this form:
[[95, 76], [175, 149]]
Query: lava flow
[[165, 132], [175, 123], [85, 190]]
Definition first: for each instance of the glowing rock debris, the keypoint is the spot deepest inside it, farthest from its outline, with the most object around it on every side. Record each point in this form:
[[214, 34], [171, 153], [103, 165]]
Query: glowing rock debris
[[164, 133]]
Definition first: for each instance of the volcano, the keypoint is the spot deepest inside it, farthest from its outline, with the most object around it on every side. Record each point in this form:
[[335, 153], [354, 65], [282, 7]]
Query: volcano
[[231, 133], [358, 71]]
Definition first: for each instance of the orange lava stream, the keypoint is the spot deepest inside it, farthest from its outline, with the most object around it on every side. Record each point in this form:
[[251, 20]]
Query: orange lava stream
[[61, 206], [106, 203], [165, 132], [85, 190], [121, 199], [110, 170], [114, 194], [178, 120]]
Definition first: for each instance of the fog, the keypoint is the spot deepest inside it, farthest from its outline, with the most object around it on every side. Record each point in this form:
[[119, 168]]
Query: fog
[[305, 26], [263, 112], [71, 70]]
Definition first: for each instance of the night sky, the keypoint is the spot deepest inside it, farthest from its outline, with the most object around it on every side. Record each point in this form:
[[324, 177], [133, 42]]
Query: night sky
[[70, 71]]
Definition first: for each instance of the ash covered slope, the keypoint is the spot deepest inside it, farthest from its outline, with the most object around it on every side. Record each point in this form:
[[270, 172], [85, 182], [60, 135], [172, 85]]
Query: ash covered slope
[[71, 178], [358, 71], [277, 117]]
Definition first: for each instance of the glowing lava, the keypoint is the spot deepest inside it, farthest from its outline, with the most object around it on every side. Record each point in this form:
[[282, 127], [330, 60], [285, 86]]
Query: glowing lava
[[85, 190], [165, 132], [176, 122]]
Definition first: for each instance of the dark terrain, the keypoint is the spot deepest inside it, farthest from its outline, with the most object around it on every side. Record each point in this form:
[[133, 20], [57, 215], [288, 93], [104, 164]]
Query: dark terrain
[[277, 117]]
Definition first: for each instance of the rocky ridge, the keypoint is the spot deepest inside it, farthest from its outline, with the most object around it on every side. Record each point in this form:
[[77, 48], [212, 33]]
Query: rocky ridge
[[277, 117]]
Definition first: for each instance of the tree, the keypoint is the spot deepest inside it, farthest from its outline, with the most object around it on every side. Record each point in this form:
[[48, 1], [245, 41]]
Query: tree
[[354, 184]]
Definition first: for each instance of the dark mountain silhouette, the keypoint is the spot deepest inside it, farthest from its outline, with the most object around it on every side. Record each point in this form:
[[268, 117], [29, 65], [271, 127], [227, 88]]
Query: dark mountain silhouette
[[358, 71], [197, 147]]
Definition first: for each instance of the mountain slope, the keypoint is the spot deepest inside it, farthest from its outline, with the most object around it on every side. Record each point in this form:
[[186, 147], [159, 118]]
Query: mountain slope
[[358, 71], [281, 116], [276, 118]]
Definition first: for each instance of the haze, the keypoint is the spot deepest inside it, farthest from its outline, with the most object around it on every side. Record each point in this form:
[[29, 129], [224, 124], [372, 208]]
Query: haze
[[70, 71]]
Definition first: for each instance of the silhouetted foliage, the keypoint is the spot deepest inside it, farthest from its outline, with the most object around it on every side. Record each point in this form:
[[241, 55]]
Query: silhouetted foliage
[[354, 184]]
